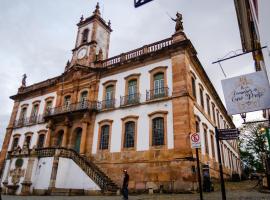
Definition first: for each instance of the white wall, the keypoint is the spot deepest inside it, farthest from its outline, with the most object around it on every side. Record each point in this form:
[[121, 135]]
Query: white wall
[[41, 105], [142, 110], [210, 124], [35, 127], [12, 167], [70, 175], [79, 36], [212, 128], [42, 173], [7, 164], [143, 125], [21, 131], [205, 91], [144, 83], [102, 40]]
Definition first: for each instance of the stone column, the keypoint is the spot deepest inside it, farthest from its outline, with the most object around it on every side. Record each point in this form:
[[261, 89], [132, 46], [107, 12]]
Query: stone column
[[49, 134], [83, 138], [27, 178], [65, 136], [84, 121], [54, 172], [8, 134], [5, 182], [183, 114]]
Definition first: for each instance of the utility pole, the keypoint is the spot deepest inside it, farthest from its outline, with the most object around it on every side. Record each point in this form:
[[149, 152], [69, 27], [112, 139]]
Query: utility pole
[[223, 192]]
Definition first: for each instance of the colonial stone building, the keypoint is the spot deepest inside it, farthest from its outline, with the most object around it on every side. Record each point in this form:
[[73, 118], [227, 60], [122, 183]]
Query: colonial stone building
[[75, 133]]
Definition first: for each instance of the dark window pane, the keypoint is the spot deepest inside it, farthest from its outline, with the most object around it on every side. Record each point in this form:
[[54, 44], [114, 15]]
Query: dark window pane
[[193, 87], [59, 139], [41, 139], [158, 131], [129, 134], [206, 141], [104, 138], [15, 143], [85, 35], [28, 140]]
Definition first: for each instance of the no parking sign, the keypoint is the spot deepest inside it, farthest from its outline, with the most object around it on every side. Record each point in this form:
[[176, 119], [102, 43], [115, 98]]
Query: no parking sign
[[195, 140]]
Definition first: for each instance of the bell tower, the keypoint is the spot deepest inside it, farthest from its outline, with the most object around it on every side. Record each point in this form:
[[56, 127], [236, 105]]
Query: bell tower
[[93, 40]]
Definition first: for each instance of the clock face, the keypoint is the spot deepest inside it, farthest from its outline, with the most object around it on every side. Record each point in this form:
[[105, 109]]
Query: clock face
[[81, 53]]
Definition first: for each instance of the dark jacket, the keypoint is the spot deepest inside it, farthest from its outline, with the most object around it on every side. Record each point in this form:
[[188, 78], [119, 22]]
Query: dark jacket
[[125, 181]]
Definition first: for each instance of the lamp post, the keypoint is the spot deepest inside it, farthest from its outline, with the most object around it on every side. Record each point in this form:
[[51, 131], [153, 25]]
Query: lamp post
[[244, 116]]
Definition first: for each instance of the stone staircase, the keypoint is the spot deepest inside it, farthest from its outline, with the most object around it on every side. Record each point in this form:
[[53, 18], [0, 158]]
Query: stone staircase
[[88, 166]]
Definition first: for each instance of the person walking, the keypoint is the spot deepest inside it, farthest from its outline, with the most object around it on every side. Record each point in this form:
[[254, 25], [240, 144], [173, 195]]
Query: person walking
[[125, 185]]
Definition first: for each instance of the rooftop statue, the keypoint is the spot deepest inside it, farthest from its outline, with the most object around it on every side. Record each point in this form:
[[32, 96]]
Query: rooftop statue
[[179, 24], [24, 81]]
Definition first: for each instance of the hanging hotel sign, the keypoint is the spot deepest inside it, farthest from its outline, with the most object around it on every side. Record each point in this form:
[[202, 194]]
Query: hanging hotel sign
[[195, 140], [228, 134], [138, 3], [246, 93]]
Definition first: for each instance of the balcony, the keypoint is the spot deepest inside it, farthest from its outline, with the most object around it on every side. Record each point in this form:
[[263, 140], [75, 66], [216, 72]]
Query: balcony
[[106, 104], [80, 106], [29, 121], [131, 99], [157, 93]]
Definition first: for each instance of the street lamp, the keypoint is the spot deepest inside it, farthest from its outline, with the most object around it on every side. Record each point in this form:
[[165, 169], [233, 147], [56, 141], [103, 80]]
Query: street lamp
[[262, 130], [244, 116]]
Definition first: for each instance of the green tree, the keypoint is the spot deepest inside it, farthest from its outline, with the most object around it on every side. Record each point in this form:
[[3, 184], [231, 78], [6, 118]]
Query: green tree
[[253, 147]]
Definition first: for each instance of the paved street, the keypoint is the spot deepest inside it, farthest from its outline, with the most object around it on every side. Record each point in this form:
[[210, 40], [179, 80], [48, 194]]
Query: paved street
[[235, 191]]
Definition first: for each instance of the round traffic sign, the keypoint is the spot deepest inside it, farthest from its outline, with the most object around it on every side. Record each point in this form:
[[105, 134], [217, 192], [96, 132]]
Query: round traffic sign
[[195, 137]]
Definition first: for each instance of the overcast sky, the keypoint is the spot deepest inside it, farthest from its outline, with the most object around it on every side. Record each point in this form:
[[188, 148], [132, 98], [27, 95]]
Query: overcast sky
[[36, 37]]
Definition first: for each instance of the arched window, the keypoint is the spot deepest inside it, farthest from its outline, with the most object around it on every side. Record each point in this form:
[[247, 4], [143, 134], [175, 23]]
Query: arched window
[[197, 124], [23, 115], [208, 104], [67, 100], [15, 143], [193, 83], [206, 146], [158, 83], [59, 138], [213, 145], [129, 134], [158, 131], [78, 135], [34, 113], [109, 96], [201, 97], [28, 140], [41, 140], [132, 87], [159, 90], [132, 90], [83, 99], [104, 137], [85, 35]]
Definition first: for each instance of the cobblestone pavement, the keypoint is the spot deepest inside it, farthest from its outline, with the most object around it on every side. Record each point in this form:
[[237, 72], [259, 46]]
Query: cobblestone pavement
[[235, 191], [235, 195]]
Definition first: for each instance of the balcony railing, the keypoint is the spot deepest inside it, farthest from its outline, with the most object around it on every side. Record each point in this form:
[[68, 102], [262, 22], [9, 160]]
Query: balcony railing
[[131, 99], [29, 121], [83, 105], [157, 93], [163, 44], [106, 104]]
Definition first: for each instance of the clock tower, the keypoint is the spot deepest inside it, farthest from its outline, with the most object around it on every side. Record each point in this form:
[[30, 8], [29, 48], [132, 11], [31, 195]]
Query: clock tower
[[93, 39]]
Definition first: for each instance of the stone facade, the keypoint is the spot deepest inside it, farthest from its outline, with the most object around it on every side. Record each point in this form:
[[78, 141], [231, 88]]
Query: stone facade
[[74, 108]]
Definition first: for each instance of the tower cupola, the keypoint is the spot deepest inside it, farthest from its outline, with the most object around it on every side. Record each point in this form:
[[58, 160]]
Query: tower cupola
[[93, 37]]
